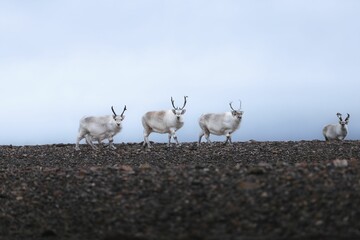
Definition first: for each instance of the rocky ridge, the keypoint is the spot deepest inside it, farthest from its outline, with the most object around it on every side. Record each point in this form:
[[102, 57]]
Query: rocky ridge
[[248, 190]]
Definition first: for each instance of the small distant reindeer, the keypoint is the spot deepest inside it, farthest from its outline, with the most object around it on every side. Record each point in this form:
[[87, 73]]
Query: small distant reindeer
[[167, 121], [220, 124], [337, 131], [100, 128]]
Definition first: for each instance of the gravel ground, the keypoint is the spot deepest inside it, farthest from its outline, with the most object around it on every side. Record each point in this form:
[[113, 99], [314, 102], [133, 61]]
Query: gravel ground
[[248, 190]]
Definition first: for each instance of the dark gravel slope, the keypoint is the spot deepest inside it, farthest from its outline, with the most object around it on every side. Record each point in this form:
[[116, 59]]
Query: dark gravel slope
[[252, 190]]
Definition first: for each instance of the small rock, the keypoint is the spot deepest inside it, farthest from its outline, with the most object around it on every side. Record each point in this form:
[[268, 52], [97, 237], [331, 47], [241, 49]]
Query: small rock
[[340, 163]]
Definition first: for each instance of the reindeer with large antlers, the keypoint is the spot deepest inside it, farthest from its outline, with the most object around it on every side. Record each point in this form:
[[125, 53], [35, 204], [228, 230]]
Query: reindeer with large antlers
[[166, 121], [220, 124], [100, 128], [337, 131]]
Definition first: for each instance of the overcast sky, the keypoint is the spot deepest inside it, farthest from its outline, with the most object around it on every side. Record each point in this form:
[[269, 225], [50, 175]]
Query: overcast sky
[[293, 63]]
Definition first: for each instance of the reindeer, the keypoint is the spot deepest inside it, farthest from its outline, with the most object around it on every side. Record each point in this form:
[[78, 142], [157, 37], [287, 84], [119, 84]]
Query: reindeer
[[337, 131], [167, 121], [220, 124], [100, 128]]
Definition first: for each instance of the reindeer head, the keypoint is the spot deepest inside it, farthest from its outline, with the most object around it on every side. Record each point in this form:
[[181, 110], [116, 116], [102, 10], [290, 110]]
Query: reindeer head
[[341, 121], [236, 113], [178, 111], [118, 118]]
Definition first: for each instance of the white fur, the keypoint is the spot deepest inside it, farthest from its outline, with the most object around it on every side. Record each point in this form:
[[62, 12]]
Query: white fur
[[166, 121], [220, 124], [336, 131], [99, 128]]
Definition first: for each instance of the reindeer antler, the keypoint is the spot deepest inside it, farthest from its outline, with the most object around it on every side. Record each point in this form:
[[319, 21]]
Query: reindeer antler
[[231, 106], [348, 116], [172, 102], [123, 111], [339, 116], [112, 108], [185, 97]]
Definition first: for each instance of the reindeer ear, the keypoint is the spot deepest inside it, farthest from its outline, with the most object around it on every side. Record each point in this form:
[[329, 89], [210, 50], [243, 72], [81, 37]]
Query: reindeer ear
[[174, 111], [233, 113], [183, 111], [123, 116]]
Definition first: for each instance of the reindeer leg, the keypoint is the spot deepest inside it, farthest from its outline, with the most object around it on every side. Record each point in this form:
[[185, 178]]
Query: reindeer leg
[[176, 140], [175, 137], [200, 136], [89, 141], [79, 138], [111, 145], [205, 132], [207, 137], [82, 134], [228, 139], [169, 140], [146, 139], [99, 143]]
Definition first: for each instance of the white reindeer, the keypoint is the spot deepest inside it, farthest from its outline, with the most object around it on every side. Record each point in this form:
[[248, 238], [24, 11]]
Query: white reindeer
[[337, 131], [100, 128], [220, 124], [167, 121]]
